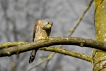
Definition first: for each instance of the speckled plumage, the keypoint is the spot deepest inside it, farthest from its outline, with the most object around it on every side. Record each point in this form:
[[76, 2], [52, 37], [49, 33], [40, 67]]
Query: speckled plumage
[[41, 31]]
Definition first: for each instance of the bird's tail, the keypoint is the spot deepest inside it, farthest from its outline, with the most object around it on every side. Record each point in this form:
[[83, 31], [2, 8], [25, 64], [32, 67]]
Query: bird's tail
[[32, 56]]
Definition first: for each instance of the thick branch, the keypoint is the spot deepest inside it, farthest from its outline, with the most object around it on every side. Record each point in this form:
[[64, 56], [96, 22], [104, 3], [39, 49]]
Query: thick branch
[[53, 41]]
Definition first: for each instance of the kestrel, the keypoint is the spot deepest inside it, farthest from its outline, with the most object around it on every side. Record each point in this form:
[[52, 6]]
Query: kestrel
[[41, 31]]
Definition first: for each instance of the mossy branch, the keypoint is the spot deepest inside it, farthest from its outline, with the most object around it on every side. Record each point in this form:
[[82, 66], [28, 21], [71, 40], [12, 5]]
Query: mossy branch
[[11, 44], [52, 41], [62, 51], [67, 52]]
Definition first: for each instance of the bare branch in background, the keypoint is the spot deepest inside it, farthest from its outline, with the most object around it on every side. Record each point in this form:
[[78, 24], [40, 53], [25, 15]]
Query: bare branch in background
[[4, 5], [81, 17], [44, 60]]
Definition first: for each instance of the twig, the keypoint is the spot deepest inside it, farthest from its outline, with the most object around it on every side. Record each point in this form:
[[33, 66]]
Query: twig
[[50, 58], [80, 18], [44, 60]]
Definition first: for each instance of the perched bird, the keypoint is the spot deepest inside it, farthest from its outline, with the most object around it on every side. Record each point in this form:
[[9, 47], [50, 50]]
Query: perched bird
[[41, 31]]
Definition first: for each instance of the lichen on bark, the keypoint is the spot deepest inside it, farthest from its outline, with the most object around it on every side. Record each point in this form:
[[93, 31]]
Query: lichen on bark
[[99, 56]]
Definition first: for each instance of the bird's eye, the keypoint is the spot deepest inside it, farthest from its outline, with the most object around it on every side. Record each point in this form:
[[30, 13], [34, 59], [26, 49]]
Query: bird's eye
[[48, 23]]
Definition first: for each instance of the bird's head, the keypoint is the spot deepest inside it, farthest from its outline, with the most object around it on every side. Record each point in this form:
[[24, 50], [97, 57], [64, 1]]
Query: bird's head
[[46, 24]]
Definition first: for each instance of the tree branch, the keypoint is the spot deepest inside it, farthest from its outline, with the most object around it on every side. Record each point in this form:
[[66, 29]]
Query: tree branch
[[67, 52], [62, 51], [11, 44], [80, 18], [53, 41]]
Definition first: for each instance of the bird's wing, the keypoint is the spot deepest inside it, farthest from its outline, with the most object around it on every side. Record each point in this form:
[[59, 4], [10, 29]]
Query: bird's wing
[[34, 31]]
